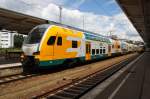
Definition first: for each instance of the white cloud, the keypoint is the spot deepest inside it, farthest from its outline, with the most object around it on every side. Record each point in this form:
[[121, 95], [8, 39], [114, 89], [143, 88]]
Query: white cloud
[[109, 2], [102, 24], [77, 3], [51, 12]]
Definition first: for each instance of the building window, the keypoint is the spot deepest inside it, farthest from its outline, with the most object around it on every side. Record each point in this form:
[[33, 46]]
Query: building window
[[59, 41], [97, 51], [51, 40], [74, 44], [93, 51]]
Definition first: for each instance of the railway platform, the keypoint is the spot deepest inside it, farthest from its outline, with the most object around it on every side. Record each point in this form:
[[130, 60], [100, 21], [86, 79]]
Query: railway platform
[[133, 83], [2, 66], [8, 62]]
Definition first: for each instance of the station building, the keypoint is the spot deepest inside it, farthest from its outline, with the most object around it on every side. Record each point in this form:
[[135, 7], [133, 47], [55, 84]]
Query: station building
[[6, 39]]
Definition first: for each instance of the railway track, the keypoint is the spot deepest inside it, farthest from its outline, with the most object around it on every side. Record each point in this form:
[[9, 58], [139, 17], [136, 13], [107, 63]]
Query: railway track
[[10, 74], [8, 79], [10, 70], [79, 87]]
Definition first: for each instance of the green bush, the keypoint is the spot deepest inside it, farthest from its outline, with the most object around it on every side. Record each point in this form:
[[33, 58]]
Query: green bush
[[18, 41]]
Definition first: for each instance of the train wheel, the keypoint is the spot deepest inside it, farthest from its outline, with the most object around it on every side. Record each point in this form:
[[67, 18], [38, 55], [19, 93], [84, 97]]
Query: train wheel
[[30, 69]]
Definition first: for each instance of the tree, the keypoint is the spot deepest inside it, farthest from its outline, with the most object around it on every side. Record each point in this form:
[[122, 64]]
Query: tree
[[18, 41]]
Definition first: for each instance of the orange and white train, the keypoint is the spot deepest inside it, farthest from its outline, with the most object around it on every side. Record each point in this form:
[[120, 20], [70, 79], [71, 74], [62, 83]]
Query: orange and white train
[[49, 46]]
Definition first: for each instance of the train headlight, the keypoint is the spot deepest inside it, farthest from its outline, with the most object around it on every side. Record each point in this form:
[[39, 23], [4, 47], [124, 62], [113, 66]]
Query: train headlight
[[22, 57], [36, 53]]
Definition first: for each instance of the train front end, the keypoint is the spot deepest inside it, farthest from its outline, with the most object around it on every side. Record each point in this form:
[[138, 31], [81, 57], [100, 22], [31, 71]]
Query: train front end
[[30, 48]]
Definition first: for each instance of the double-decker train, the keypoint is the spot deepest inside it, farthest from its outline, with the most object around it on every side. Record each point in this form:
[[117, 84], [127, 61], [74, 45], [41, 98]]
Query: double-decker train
[[48, 46]]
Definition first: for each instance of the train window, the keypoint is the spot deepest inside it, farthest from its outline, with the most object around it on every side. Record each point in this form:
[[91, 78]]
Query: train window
[[93, 51], [97, 51], [51, 40], [74, 44], [59, 41], [100, 51], [89, 48], [104, 51]]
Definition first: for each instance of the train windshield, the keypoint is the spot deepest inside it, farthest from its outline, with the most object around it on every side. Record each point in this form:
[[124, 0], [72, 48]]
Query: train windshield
[[36, 34]]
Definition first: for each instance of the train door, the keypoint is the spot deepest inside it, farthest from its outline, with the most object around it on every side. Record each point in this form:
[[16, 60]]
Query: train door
[[49, 49], [59, 48], [109, 50], [48, 44], [88, 51]]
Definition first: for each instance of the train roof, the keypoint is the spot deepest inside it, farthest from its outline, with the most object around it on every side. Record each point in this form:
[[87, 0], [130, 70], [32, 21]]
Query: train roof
[[96, 37], [88, 34]]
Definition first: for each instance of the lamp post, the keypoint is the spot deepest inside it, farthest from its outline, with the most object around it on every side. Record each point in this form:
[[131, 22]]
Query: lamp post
[[60, 14]]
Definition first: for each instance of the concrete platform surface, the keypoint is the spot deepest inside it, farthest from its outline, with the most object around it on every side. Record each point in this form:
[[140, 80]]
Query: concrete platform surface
[[134, 83], [137, 85], [9, 65]]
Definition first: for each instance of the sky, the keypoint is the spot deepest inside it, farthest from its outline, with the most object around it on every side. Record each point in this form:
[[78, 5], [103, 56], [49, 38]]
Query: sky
[[99, 16]]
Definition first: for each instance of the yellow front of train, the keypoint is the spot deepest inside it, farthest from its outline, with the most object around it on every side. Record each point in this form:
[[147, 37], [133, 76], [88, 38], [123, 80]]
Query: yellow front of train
[[31, 46]]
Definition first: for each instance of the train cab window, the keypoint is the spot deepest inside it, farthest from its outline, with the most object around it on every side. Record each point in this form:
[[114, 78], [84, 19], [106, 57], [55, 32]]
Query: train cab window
[[51, 40], [97, 51], [59, 41], [93, 51], [36, 34], [74, 44], [100, 51], [104, 51]]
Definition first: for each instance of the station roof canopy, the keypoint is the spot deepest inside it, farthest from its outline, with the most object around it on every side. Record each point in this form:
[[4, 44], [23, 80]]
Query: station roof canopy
[[138, 12], [15, 21]]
